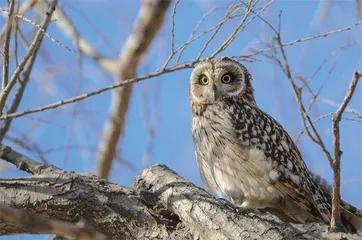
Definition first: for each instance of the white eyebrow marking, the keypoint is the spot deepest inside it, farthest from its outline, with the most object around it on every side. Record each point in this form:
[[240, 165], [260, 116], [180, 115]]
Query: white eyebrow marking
[[196, 99]]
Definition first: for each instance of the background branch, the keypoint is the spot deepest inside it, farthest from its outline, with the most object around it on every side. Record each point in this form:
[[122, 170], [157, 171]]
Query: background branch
[[8, 27], [21, 85], [149, 21], [36, 41]]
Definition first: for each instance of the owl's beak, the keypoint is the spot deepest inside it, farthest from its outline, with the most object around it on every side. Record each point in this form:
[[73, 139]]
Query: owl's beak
[[215, 92]]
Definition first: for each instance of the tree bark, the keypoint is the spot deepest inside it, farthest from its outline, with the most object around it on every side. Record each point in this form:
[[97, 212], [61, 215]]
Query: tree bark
[[159, 205]]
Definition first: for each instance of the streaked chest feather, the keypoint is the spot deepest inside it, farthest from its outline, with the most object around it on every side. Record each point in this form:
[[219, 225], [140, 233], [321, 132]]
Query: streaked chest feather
[[228, 162]]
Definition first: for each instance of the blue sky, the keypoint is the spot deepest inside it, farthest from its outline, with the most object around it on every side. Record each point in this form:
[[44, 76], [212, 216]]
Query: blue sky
[[58, 75]]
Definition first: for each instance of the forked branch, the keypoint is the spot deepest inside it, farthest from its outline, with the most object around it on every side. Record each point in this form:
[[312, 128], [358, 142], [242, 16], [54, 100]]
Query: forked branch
[[336, 195]]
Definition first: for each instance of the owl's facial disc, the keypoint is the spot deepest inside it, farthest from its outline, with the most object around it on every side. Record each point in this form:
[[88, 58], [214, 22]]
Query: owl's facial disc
[[214, 80]]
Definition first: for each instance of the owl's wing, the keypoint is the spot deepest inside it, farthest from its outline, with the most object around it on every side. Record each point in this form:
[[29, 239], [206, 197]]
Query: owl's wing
[[295, 182], [296, 199]]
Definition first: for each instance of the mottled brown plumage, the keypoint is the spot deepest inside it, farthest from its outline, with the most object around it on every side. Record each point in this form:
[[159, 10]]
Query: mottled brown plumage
[[245, 155]]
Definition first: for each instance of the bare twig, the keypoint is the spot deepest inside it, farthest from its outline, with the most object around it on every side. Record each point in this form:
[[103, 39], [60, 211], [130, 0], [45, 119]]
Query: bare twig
[[314, 121], [19, 16], [336, 196], [184, 46], [193, 38], [298, 94], [232, 9], [249, 7], [150, 20], [22, 83], [173, 26], [327, 115], [301, 40], [87, 95], [334, 163], [9, 23], [172, 35], [26, 6], [5, 92], [161, 72], [39, 224]]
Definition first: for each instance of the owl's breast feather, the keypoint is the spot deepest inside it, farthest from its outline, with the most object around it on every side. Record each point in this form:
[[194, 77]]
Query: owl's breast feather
[[239, 172]]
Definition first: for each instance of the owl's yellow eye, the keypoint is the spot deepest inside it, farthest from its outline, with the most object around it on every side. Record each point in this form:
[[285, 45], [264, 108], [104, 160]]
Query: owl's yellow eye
[[203, 80], [226, 78]]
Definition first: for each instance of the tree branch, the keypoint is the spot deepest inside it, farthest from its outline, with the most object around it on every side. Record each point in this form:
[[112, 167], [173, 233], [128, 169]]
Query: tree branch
[[36, 41], [150, 20], [160, 205], [174, 68], [20, 161], [9, 23], [18, 96], [39, 224], [336, 195]]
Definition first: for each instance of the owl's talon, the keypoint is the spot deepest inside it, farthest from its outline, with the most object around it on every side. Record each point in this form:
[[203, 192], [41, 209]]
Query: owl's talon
[[230, 205]]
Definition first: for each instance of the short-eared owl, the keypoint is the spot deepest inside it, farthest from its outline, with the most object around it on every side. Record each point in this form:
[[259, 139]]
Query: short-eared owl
[[245, 155]]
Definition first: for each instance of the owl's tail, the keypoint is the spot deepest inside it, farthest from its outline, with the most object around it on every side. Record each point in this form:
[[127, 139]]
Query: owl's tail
[[351, 217]]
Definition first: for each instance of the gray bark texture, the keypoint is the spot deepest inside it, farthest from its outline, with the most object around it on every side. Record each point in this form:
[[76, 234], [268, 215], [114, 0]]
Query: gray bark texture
[[159, 205]]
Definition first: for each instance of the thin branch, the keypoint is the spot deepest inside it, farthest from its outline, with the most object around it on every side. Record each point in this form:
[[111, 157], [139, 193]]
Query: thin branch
[[314, 121], [232, 9], [9, 23], [305, 117], [18, 96], [184, 46], [249, 7], [19, 16], [87, 95], [176, 67], [39, 224], [172, 35], [25, 7], [173, 27], [5, 92], [336, 196], [301, 40]]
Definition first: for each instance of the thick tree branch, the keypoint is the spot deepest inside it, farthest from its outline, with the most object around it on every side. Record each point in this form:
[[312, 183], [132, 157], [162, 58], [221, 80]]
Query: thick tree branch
[[71, 197], [149, 21], [39, 224], [20, 161], [160, 205]]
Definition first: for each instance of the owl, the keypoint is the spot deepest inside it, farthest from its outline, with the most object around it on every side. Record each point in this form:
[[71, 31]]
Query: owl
[[245, 155]]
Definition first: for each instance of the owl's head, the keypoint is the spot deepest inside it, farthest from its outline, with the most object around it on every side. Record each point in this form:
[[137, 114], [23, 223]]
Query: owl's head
[[215, 79]]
